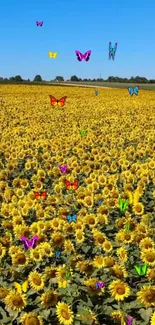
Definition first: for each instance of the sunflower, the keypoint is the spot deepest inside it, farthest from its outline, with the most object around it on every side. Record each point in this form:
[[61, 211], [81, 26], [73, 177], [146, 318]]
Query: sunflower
[[119, 290], [88, 201], [99, 238], [79, 235], [91, 220], [49, 273], [122, 254], [61, 272], [36, 280], [15, 300], [138, 208], [148, 256], [57, 239], [103, 219], [107, 246], [2, 251], [91, 286], [64, 313], [49, 299], [119, 272], [117, 315], [69, 246], [3, 292], [153, 319], [98, 262], [20, 259], [109, 261], [46, 249], [36, 254], [151, 274], [146, 243], [31, 319], [147, 296]]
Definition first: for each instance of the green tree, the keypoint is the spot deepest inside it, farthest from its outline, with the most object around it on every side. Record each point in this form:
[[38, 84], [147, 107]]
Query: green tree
[[37, 78], [59, 78], [74, 78], [18, 78]]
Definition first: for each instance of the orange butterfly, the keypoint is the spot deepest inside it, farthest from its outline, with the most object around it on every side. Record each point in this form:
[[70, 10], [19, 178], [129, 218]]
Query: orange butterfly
[[74, 184], [60, 102], [42, 195]]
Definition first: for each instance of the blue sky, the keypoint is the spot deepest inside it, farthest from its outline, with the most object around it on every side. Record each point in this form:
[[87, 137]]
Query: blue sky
[[71, 25]]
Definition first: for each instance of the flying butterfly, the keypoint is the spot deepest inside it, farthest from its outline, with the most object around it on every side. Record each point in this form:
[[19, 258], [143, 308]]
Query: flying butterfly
[[112, 50], [21, 287], [58, 102], [81, 56], [42, 195], [52, 55], [39, 23], [133, 91], [141, 270], [29, 243], [62, 284], [69, 184]]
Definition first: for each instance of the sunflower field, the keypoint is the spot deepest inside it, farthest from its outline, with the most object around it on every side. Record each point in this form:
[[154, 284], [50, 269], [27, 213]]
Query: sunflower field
[[77, 254]]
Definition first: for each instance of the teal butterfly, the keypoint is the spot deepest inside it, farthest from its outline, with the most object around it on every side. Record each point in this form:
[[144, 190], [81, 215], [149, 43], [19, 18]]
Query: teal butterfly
[[83, 132], [141, 270], [123, 205]]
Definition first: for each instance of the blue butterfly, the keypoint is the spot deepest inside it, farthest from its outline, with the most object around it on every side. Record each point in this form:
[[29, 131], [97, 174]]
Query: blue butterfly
[[99, 202], [96, 92], [112, 50], [72, 218], [133, 90], [57, 254]]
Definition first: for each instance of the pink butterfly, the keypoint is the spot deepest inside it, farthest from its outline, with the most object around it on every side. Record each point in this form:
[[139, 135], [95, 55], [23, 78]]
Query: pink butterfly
[[63, 169], [29, 243], [39, 23], [81, 56]]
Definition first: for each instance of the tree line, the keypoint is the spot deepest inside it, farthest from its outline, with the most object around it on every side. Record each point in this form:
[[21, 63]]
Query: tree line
[[38, 78]]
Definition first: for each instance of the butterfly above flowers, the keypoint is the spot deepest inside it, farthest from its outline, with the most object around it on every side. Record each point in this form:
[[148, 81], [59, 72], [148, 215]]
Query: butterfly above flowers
[[41, 195], [21, 287], [57, 102], [73, 185], [85, 56], [72, 218], [63, 169], [141, 271], [29, 243], [96, 92], [133, 91], [112, 50], [83, 132], [39, 23], [52, 55]]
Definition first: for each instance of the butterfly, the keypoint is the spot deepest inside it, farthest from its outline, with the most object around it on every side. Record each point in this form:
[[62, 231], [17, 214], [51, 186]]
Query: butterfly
[[129, 320], [57, 254], [62, 284], [39, 23], [133, 91], [42, 195], [81, 56], [141, 270], [21, 287], [99, 202], [29, 243], [70, 184], [100, 285], [67, 274], [123, 205], [52, 55], [63, 169], [127, 228], [72, 218], [96, 92], [112, 50], [60, 102], [83, 132]]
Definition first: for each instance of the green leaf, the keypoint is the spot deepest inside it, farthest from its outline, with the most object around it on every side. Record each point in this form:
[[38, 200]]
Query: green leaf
[[146, 313]]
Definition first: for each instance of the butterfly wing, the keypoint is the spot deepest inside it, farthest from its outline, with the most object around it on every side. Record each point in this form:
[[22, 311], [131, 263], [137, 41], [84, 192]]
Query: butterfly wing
[[144, 269], [110, 50], [136, 90], [69, 218], [121, 204], [115, 47], [79, 55], [74, 218], [33, 242], [75, 184], [25, 242], [54, 101], [87, 55], [138, 269], [125, 204], [130, 91], [68, 185], [25, 286], [41, 23], [55, 54], [18, 287], [57, 254], [37, 22], [50, 54], [37, 195], [44, 195], [61, 101]]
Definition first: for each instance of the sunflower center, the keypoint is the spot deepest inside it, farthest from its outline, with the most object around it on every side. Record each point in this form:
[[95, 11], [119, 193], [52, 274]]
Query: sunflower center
[[127, 237], [151, 296], [65, 315], [37, 281], [120, 290], [32, 321], [91, 221], [21, 259], [17, 301]]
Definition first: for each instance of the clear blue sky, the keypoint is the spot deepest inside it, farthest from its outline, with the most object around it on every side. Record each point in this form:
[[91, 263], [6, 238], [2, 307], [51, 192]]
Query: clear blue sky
[[77, 24]]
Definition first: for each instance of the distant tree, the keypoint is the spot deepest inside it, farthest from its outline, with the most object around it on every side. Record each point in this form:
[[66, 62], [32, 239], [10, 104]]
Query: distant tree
[[18, 78], [1, 78], [74, 78], [37, 78], [28, 80], [111, 79], [12, 78], [59, 78], [85, 79]]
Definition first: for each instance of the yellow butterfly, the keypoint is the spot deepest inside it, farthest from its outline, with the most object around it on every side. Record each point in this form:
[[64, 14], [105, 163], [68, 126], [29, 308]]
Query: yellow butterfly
[[21, 287], [62, 284], [52, 55]]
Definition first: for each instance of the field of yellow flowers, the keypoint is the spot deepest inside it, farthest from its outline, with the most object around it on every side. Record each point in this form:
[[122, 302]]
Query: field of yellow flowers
[[113, 161]]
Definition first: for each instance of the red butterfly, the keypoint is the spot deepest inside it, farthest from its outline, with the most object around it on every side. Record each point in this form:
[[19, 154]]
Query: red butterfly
[[60, 102], [74, 184], [42, 195]]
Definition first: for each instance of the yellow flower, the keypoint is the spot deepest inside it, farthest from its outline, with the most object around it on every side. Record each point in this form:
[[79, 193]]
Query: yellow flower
[[151, 274], [147, 296], [36, 280], [88, 201], [138, 208], [2, 251], [148, 256], [119, 272], [3, 292], [64, 313], [91, 220], [49, 299], [79, 235], [153, 319], [107, 246], [31, 318], [15, 300], [57, 239], [146, 243], [69, 246], [20, 259], [91, 285], [46, 249], [119, 290], [36, 255], [122, 254], [98, 262]]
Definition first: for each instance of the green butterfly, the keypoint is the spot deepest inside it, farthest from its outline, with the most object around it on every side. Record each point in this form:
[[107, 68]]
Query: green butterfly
[[141, 270], [67, 274], [123, 205], [83, 132]]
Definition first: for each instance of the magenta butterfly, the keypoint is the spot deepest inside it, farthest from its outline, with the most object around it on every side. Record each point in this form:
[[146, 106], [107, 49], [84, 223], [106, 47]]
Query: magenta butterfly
[[39, 23], [63, 169], [29, 243], [81, 56]]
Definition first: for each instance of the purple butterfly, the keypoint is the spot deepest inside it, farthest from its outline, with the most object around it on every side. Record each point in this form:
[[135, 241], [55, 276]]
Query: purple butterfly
[[81, 56], [63, 169], [129, 320], [29, 243], [39, 23]]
